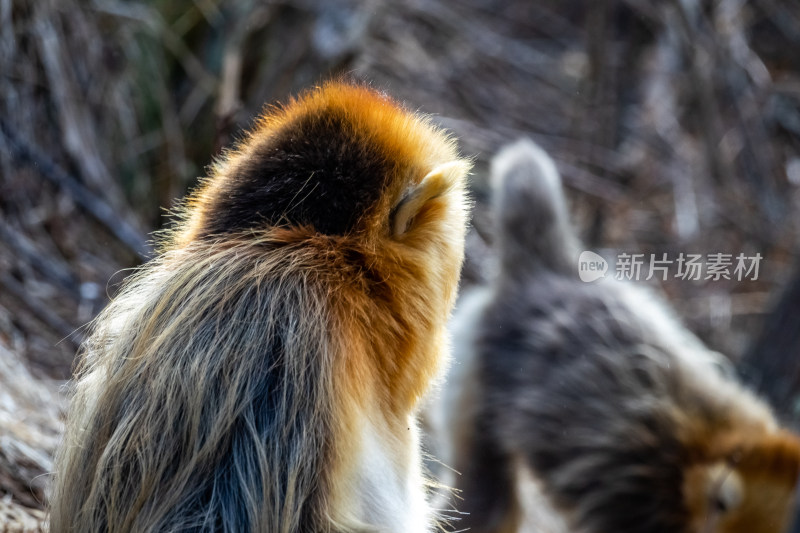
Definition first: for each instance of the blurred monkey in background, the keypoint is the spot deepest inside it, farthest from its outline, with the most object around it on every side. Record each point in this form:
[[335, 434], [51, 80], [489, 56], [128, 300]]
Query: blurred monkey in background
[[625, 420], [262, 374]]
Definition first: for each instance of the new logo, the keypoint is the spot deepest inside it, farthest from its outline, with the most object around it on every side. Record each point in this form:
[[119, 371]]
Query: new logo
[[591, 266]]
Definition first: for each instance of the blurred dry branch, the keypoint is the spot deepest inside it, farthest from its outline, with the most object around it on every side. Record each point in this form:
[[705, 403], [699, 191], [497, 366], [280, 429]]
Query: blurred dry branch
[[675, 123], [97, 207], [771, 362]]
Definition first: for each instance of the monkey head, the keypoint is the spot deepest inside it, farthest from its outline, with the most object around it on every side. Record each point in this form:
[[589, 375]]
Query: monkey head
[[742, 482]]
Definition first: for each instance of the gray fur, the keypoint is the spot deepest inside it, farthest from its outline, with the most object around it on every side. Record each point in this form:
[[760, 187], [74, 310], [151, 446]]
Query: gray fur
[[586, 384], [533, 229], [181, 435]]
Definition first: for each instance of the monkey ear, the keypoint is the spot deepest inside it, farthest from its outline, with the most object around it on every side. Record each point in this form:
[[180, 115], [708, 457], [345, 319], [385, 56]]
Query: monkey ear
[[437, 182], [725, 490]]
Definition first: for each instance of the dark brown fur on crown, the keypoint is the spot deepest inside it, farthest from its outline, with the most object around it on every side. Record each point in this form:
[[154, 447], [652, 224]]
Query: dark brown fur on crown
[[335, 160], [316, 170]]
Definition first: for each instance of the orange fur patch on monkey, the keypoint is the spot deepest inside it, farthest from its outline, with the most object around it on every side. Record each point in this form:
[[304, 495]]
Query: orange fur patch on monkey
[[740, 480]]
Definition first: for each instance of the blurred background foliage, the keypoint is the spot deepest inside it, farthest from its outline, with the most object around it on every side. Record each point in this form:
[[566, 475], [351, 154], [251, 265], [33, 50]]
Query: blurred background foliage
[[676, 125]]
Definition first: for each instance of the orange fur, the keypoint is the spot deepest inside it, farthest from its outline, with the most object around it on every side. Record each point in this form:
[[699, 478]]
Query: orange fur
[[382, 285], [764, 466]]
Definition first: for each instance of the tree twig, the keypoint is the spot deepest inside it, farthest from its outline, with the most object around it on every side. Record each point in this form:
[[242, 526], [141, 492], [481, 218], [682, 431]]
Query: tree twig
[[25, 152], [14, 288], [47, 266]]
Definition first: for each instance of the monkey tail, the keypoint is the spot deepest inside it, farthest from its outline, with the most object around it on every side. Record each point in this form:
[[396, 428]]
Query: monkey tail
[[533, 229]]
